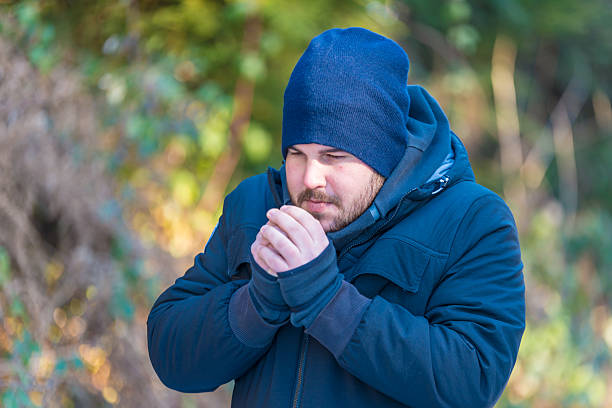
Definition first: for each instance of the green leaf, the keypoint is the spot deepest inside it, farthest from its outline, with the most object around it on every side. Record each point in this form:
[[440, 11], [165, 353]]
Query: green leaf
[[465, 37], [213, 133], [61, 366], [133, 271], [77, 363], [169, 88], [209, 92], [257, 144], [23, 400], [185, 188], [5, 267], [253, 67], [27, 15], [152, 286], [47, 34], [25, 348], [459, 10], [271, 43], [137, 126], [121, 306], [17, 308], [118, 251], [9, 399]]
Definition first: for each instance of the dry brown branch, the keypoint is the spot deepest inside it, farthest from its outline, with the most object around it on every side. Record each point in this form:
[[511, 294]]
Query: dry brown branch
[[537, 161], [562, 117], [471, 101], [51, 191], [508, 127], [560, 145], [603, 110], [243, 100]]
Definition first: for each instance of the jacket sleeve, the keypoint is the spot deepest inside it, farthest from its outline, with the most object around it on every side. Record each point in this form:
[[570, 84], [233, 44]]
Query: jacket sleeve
[[204, 331], [461, 352]]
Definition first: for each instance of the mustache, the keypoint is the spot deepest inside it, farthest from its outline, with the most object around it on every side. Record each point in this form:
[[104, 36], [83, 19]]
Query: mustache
[[317, 195]]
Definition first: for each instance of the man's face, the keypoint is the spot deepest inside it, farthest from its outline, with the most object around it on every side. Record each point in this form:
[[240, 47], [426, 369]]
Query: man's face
[[331, 184]]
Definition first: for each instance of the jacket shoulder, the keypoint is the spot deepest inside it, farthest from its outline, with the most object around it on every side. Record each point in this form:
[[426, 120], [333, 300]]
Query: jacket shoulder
[[257, 184], [435, 224], [466, 196], [467, 192], [248, 202], [478, 212]]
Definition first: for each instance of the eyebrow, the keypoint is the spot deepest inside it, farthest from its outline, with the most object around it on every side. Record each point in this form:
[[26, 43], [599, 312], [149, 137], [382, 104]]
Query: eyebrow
[[325, 150]]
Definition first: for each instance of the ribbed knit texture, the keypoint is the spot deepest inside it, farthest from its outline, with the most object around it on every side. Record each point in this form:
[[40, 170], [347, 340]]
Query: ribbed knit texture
[[336, 323], [348, 90], [246, 322], [266, 295], [307, 289]]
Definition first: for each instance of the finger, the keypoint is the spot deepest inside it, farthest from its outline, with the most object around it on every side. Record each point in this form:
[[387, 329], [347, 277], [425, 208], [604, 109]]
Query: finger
[[270, 222], [255, 247], [280, 242], [273, 259], [310, 223], [262, 240], [291, 227]]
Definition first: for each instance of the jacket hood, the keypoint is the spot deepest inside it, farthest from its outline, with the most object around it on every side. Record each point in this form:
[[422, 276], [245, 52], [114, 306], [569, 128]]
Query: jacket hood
[[414, 180]]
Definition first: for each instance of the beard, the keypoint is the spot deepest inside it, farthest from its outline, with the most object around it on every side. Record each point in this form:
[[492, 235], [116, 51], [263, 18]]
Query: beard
[[347, 212]]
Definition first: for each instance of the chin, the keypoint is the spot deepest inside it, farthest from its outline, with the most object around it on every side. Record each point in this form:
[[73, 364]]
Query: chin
[[323, 220], [328, 225]]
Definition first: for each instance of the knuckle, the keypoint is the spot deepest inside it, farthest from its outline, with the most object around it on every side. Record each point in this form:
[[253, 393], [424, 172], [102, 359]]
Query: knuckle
[[290, 249], [275, 263], [266, 232]]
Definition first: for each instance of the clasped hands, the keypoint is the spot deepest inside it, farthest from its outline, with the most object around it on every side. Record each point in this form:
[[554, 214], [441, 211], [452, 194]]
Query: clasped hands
[[291, 238]]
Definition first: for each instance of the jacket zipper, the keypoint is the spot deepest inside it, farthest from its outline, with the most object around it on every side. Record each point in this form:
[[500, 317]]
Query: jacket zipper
[[442, 183], [300, 372], [359, 242]]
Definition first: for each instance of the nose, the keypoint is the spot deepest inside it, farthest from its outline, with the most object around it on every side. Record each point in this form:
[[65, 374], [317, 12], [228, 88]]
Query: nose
[[315, 175]]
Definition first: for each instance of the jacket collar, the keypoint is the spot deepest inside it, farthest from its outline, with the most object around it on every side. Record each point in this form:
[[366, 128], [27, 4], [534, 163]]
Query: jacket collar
[[410, 185]]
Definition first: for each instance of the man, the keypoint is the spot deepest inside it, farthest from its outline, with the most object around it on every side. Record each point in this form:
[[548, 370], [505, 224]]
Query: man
[[370, 270]]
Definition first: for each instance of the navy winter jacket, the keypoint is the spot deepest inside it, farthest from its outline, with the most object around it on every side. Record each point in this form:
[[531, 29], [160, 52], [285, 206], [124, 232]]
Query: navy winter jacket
[[430, 312]]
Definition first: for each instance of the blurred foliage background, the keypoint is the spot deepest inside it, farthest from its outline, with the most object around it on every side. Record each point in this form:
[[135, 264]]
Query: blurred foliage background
[[123, 123]]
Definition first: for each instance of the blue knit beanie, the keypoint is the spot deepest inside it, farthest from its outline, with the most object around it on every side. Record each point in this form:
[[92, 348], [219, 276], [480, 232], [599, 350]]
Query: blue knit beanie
[[349, 91]]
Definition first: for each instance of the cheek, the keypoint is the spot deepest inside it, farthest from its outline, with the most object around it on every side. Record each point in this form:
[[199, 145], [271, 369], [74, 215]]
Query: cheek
[[350, 184], [340, 186], [293, 174]]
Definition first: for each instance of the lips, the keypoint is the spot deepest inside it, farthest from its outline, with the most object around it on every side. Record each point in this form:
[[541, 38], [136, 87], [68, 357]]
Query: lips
[[316, 206]]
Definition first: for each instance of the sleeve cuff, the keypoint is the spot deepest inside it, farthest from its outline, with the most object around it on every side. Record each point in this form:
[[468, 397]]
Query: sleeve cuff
[[267, 285], [301, 285], [336, 323], [246, 324], [322, 261]]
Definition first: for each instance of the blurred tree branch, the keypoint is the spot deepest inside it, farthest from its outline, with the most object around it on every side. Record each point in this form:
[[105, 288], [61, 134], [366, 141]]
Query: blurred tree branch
[[562, 118], [508, 128], [243, 101]]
